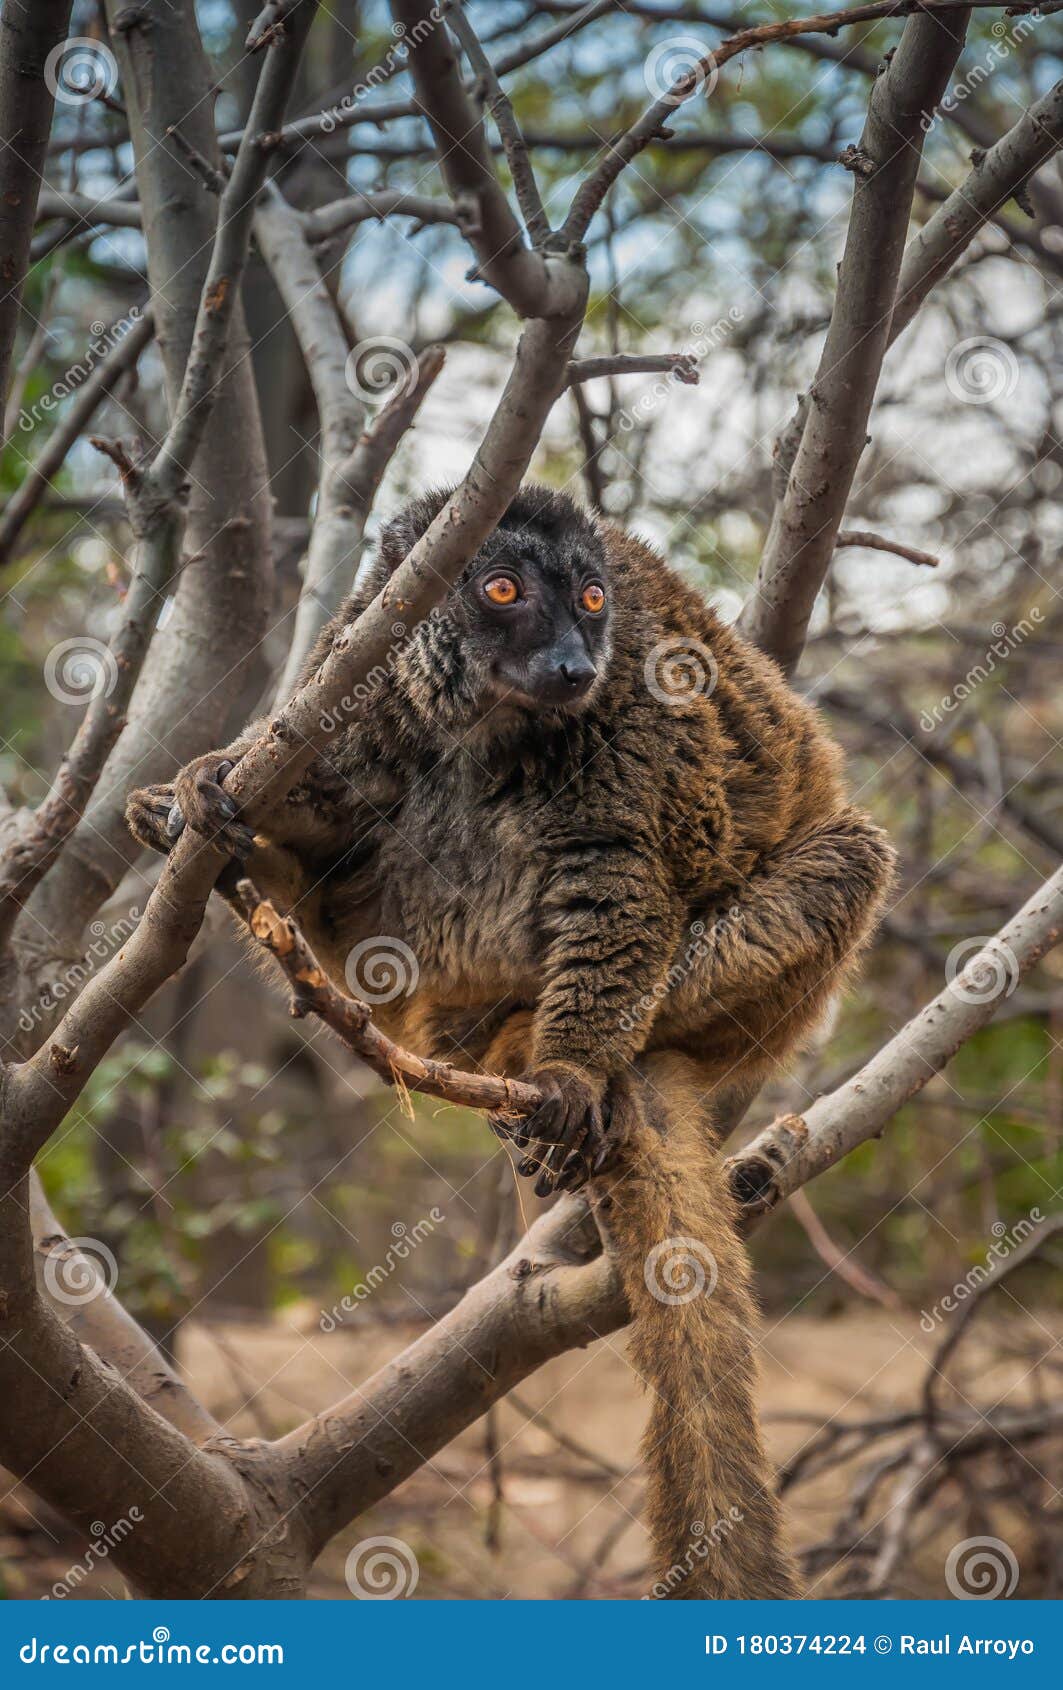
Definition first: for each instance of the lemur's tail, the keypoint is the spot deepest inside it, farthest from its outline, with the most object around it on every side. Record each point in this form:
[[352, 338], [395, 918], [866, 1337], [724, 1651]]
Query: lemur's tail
[[711, 1507]]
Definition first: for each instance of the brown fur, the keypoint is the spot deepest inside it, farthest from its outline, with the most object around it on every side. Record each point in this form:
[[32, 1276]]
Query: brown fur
[[642, 904]]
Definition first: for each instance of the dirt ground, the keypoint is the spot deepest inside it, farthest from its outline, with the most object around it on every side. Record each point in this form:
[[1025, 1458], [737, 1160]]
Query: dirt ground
[[567, 1524]]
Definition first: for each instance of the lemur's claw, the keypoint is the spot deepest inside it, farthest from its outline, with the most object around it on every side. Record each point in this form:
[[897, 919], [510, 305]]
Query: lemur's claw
[[147, 814], [202, 803]]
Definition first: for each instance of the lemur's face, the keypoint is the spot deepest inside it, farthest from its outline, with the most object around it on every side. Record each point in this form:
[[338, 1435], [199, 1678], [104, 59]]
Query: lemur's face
[[535, 616]]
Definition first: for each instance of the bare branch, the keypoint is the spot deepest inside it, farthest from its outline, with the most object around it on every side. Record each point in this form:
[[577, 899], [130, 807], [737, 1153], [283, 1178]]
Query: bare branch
[[877, 543], [682, 365], [101, 381], [796, 1149], [313, 992], [554, 1292], [653, 122], [325, 221], [997, 176], [804, 530], [31, 30], [533, 284], [525, 186]]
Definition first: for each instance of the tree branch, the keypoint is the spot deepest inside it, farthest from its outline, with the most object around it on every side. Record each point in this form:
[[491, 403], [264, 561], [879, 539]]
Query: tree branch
[[31, 30], [997, 176], [805, 526]]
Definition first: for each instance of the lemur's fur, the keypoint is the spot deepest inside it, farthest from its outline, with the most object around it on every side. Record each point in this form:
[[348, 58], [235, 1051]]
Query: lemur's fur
[[641, 899]]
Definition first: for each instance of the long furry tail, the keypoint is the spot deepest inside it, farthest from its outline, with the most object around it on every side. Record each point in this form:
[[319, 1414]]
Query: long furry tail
[[711, 1508]]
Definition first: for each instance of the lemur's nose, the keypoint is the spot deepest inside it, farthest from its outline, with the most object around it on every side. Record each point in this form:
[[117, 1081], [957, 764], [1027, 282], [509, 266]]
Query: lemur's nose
[[578, 672]]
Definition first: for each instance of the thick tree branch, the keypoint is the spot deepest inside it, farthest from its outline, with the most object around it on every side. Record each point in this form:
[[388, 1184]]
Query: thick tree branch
[[534, 284], [557, 1290], [997, 176], [525, 186], [29, 31], [804, 530], [156, 496]]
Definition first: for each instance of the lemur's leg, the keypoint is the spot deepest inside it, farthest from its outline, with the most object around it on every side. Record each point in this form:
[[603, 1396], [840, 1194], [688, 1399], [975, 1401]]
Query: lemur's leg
[[761, 973]]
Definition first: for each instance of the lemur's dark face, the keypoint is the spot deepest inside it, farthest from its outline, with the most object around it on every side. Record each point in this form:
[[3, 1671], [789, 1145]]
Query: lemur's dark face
[[535, 616]]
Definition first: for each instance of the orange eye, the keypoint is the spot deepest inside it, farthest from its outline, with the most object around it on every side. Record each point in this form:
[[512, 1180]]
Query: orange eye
[[592, 598], [501, 589]]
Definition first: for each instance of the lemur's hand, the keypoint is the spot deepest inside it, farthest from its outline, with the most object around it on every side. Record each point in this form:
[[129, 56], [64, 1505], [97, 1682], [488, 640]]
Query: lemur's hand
[[147, 811], [567, 1130], [158, 815]]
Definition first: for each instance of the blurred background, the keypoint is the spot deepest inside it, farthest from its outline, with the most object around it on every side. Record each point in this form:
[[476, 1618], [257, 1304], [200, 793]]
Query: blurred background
[[281, 1224]]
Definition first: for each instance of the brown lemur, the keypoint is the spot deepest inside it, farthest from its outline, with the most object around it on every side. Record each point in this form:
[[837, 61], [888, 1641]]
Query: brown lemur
[[618, 849]]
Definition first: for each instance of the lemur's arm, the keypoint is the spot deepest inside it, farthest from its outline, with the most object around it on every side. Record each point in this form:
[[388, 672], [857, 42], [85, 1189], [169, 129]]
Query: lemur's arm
[[610, 925]]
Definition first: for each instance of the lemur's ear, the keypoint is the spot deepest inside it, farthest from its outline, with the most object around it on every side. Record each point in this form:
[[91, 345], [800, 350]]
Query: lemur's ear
[[402, 533]]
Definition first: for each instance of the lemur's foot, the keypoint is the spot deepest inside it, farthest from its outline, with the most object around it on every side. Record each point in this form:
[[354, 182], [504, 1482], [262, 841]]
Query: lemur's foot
[[566, 1131], [147, 812], [201, 802]]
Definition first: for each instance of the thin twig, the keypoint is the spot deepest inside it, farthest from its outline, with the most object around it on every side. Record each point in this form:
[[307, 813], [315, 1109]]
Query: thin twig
[[525, 186], [878, 543]]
